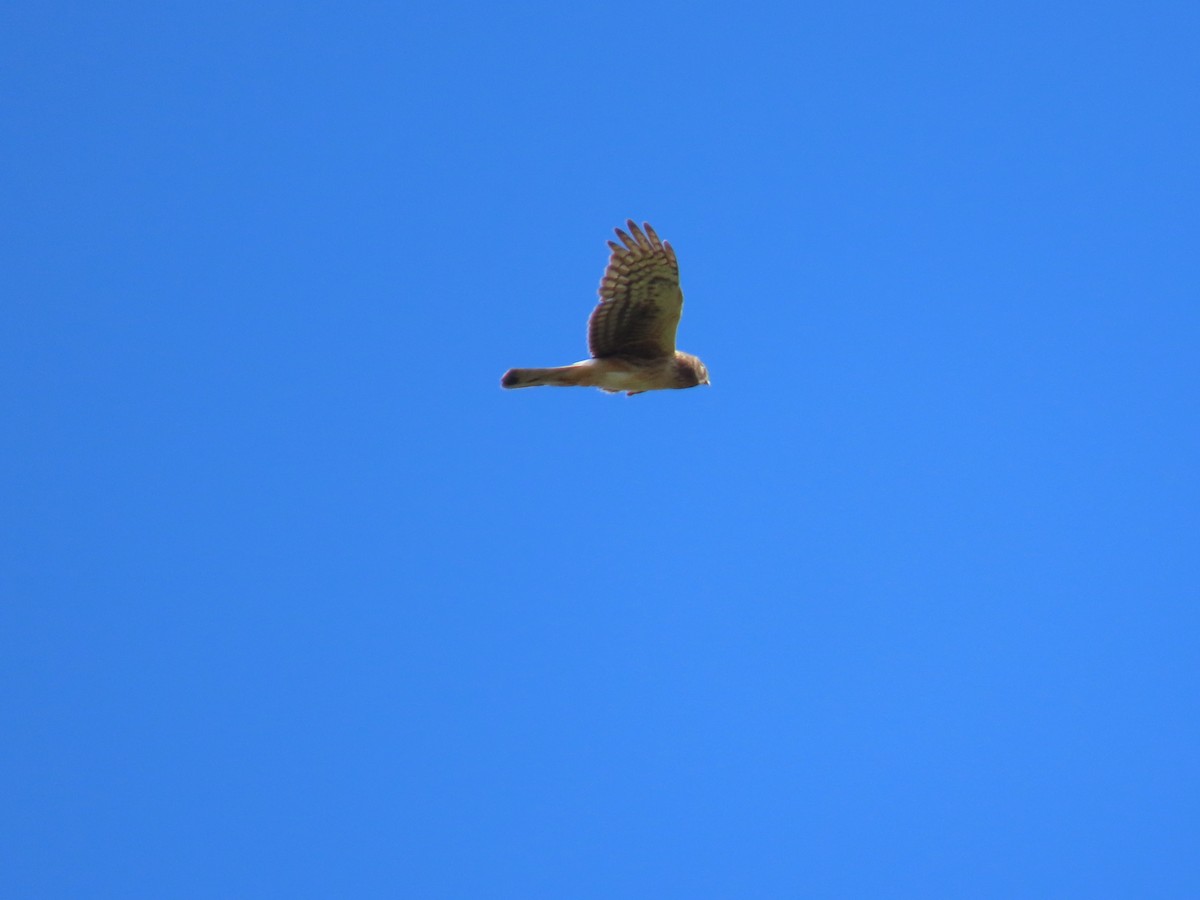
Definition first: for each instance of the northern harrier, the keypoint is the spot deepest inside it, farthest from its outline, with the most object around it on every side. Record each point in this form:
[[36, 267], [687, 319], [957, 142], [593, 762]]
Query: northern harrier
[[631, 334]]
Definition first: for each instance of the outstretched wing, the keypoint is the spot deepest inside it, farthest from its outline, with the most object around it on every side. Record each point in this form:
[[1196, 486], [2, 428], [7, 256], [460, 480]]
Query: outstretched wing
[[640, 298]]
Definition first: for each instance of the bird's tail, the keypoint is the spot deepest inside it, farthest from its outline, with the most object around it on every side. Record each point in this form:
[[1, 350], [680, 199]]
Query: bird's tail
[[563, 376]]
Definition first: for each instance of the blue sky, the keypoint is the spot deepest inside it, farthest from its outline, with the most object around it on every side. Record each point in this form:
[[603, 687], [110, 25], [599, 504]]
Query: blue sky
[[299, 602]]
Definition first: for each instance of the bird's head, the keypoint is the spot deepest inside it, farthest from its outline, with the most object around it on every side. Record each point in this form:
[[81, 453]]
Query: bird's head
[[691, 371]]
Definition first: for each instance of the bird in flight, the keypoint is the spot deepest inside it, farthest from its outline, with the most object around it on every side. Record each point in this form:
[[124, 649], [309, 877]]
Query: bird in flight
[[631, 333]]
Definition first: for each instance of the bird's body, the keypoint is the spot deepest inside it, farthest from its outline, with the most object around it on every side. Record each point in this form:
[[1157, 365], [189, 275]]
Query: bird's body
[[631, 333], [615, 374]]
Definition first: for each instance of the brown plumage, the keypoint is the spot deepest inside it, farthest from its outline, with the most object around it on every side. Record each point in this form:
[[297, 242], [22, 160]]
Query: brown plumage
[[631, 333]]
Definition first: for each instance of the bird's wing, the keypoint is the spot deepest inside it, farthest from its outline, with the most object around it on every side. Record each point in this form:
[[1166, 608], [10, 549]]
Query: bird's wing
[[640, 299]]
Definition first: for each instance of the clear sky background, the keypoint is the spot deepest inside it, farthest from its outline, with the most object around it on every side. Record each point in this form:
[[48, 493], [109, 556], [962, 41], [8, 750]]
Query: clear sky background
[[297, 601]]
